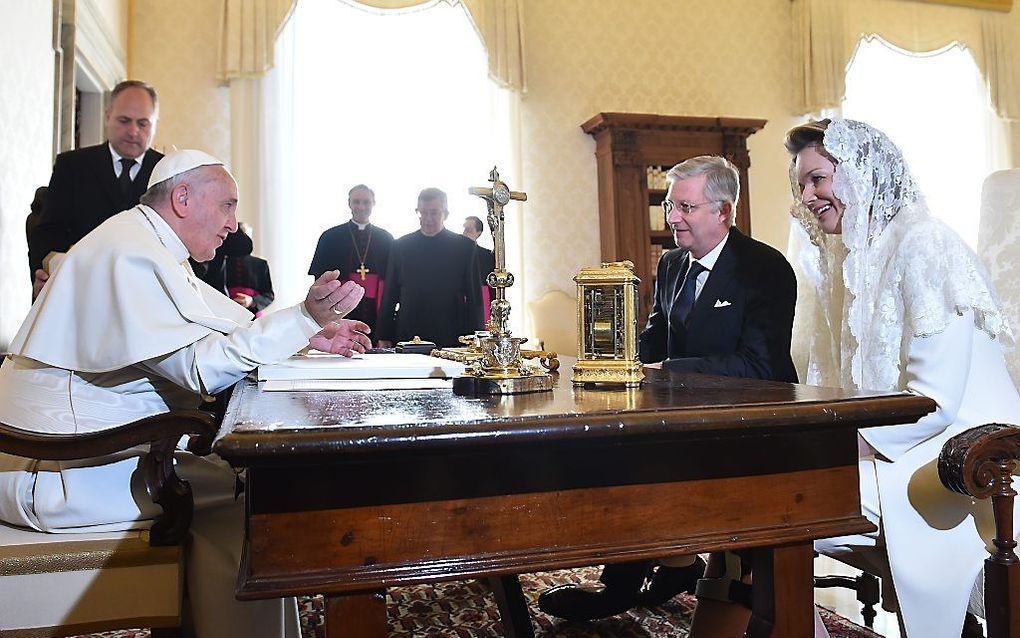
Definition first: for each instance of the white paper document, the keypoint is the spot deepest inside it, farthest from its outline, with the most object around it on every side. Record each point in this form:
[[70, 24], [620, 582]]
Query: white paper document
[[322, 366], [359, 385]]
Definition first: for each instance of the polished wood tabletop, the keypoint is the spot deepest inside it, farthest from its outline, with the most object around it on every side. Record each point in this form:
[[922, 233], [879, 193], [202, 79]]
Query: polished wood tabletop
[[263, 425], [351, 492]]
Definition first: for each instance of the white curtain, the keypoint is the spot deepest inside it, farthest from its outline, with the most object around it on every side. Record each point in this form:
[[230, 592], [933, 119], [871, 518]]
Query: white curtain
[[265, 141], [262, 160]]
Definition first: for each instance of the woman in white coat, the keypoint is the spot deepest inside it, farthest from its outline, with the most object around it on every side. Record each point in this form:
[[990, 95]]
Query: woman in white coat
[[892, 299]]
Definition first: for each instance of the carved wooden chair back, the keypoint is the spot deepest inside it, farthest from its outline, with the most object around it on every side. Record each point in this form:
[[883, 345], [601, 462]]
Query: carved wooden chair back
[[68, 584]]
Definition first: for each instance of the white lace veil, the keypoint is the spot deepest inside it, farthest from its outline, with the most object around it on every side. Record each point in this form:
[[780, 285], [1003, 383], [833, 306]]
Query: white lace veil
[[894, 273]]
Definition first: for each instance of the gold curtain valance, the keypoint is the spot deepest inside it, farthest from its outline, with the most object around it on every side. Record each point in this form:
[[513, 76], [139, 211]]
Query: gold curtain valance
[[995, 5], [248, 30], [388, 5]]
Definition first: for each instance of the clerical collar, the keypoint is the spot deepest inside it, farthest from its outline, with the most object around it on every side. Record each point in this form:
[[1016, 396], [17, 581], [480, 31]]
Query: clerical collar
[[163, 232], [708, 261], [360, 226]]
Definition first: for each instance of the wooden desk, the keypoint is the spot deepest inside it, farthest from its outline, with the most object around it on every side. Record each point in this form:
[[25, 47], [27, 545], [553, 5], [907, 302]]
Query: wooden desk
[[349, 493]]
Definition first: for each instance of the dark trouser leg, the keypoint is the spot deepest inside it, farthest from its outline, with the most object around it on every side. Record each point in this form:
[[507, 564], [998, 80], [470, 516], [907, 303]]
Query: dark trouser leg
[[573, 602], [625, 579]]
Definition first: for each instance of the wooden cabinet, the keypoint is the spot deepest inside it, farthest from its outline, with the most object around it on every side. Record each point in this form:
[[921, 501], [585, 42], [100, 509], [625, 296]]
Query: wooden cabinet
[[630, 146]]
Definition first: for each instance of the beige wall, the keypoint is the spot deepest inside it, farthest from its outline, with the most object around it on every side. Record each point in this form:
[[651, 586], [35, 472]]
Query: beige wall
[[727, 57], [26, 138], [173, 46]]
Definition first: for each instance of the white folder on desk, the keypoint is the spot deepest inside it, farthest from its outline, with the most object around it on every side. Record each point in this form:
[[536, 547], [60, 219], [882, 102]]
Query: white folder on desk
[[355, 385], [321, 366]]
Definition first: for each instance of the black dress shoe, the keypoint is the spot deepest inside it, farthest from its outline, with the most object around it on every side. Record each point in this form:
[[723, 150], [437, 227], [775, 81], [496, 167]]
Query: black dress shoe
[[576, 603], [670, 581]]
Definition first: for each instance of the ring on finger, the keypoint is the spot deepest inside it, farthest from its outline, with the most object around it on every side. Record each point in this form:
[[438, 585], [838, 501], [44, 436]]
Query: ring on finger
[[336, 309]]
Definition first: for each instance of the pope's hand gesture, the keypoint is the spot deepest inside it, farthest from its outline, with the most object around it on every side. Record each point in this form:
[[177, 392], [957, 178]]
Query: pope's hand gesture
[[343, 336], [329, 300]]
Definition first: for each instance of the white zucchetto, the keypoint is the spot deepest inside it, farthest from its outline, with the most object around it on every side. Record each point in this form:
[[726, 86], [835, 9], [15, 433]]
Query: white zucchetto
[[177, 162]]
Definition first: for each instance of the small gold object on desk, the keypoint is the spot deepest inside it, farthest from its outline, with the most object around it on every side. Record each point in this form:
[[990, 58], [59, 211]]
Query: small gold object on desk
[[607, 349], [494, 359], [415, 346]]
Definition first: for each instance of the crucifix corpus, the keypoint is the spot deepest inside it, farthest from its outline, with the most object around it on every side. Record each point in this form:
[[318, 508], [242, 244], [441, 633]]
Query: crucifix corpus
[[495, 361]]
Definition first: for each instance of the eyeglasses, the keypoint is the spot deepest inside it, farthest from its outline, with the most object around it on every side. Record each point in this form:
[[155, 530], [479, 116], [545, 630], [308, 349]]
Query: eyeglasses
[[686, 208]]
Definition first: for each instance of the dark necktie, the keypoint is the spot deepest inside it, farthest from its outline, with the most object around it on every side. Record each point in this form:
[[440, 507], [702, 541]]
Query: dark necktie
[[124, 181], [685, 299]]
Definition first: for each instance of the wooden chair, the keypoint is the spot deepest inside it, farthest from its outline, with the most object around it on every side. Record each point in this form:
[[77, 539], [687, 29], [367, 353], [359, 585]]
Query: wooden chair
[[69, 584], [978, 463]]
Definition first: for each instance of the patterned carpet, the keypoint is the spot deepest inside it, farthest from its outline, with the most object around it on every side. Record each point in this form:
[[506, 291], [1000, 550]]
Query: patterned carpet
[[465, 609]]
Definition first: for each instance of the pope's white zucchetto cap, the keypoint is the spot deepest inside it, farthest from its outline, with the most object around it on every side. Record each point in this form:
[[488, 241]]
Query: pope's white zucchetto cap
[[177, 162]]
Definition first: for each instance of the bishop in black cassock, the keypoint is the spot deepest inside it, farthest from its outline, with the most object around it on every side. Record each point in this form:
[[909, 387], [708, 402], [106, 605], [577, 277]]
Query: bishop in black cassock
[[360, 251]]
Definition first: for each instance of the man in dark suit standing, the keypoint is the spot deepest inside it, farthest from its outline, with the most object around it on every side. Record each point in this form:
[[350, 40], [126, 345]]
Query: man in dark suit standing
[[723, 305], [91, 184]]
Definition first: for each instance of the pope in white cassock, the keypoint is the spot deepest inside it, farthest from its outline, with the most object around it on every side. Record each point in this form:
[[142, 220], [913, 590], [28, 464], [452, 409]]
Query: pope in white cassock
[[124, 330]]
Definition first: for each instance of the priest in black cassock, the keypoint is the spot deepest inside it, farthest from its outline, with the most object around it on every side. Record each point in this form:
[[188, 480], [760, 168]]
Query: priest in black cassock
[[360, 251], [432, 285]]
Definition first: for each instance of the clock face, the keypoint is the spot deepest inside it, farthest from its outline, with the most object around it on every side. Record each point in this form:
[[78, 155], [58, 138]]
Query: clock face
[[501, 193]]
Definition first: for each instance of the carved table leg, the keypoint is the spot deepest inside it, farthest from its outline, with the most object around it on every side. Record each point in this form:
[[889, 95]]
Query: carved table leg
[[356, 616], [513, 608], [782, 596]]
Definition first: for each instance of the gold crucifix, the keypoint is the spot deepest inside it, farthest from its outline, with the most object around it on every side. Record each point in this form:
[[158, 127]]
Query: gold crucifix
[[494, 359], [364, 271], [496, 197]]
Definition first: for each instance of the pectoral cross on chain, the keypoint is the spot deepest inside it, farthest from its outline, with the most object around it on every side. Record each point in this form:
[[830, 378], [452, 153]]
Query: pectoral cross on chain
[[364, 271]]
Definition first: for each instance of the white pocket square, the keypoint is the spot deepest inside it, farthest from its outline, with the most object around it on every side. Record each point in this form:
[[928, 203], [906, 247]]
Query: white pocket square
[[719, 303]]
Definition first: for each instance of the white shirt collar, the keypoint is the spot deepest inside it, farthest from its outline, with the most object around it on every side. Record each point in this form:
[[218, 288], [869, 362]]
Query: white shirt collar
[[137, 166], [164, 233], [360, 226], [708, 261]]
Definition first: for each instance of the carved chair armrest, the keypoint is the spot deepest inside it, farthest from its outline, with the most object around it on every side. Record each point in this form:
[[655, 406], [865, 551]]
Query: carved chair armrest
[[200, 425], [161, 432], [980, 463]]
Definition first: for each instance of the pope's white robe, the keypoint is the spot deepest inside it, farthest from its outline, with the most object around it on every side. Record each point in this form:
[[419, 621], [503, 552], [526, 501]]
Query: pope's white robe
[[124, 330]]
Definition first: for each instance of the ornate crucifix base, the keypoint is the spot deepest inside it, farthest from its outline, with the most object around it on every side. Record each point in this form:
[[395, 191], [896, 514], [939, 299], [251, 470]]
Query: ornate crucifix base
[[495, 365]]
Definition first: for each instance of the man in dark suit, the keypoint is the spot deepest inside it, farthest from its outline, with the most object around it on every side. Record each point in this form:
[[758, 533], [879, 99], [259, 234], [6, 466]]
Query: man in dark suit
[[91, 184], [723, 305]]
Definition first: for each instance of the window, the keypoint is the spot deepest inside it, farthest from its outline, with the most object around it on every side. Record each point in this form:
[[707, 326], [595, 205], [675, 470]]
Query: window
[[934, 106], [396, 101]]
